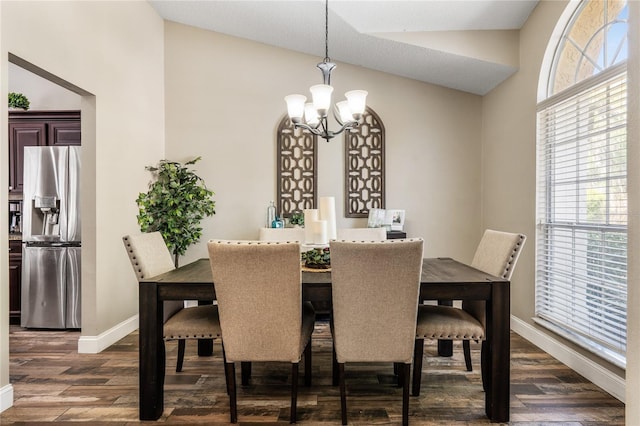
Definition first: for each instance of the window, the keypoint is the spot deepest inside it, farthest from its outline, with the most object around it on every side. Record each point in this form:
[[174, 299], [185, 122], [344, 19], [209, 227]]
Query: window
[[581, 258]]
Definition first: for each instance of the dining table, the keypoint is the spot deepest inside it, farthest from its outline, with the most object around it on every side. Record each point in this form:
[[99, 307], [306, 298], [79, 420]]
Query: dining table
[[442, 279]]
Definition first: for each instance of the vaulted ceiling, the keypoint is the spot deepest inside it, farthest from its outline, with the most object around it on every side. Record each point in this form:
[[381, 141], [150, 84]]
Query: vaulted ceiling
[[468, 45]]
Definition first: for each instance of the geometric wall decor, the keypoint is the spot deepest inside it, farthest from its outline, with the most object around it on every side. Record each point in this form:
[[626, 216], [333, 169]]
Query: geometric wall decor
[[364, 166], [297, 179]]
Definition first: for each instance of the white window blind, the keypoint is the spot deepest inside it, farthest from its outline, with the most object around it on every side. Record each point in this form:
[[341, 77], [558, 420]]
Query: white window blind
[[581, 271]]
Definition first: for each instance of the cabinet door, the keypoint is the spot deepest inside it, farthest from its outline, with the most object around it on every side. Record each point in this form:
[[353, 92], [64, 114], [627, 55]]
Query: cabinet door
[[21, 135], [15, 281], [63, 133]]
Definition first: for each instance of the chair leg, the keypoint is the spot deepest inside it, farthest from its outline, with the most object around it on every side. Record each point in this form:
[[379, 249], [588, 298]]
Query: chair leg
[[398, 367], [343, 393], [334, 369], [226, 372], [294, 391], [484, 360], [245, 372], [307, 364], [418, 351], [395, 368], [181, 347], [466, 348], [230, 369], [405, 371]]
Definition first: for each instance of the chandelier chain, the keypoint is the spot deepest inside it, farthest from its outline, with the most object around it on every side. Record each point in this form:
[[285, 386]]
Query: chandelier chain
[[326, 31]]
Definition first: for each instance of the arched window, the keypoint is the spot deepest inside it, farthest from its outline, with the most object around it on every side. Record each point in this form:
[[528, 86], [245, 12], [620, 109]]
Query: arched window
[[581, 259]]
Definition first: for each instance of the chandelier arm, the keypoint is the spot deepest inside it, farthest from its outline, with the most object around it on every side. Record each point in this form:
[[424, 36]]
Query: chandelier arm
[[304, 126], [346, 126]]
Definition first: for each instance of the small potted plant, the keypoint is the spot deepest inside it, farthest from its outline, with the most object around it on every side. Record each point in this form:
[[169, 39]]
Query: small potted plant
[[18, 101], [296, 220]]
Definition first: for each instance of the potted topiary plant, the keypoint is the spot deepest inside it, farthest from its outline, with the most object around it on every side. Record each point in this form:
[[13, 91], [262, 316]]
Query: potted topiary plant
[[18, 101], [175, 204]]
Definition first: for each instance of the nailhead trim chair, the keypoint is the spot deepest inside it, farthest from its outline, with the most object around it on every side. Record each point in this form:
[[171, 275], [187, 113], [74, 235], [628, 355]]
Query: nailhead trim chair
[[497, 255], [149, 257], [262, 316], [375, 287]]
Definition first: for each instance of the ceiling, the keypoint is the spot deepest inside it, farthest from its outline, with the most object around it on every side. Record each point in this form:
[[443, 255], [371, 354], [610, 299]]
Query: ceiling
[[468, 45]]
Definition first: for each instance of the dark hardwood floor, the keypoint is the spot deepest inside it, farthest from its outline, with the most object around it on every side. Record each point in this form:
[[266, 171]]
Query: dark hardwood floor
[[54, 384]]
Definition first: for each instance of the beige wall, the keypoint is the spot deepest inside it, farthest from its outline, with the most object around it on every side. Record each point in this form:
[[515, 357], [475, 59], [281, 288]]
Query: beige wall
[[113, 50], [509, 160], [224, 99], [43, 95]]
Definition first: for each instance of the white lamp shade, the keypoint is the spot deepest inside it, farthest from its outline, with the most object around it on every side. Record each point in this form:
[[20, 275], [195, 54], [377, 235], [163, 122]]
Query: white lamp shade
[[295, 105], [344, 112], [321, 94], [357, 101], [310, 114]]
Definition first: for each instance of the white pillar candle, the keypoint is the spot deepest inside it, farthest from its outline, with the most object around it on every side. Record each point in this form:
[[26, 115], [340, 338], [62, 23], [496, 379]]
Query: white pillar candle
[[328, 213], [319, 230], [310, 215]]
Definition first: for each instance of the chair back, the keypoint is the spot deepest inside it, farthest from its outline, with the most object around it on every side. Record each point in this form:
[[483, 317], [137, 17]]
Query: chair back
[[259, 292], [497, 254], [149, 257], [362, 234], [375, 288]]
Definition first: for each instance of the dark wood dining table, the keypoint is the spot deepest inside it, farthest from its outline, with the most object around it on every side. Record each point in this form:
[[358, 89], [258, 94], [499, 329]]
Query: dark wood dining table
[[442, 279]]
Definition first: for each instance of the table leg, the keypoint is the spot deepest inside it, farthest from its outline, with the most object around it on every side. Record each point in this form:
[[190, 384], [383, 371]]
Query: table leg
[[151, 353], [445, 347], [497, 358]]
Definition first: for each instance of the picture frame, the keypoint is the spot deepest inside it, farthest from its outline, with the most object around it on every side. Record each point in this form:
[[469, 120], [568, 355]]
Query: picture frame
[[376, 218], [394, 219]]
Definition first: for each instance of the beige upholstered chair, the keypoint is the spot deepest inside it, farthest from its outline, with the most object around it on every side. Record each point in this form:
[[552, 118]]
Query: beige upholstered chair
[[149, 257], [497, 255], [259, 291], [361, 234], [282, 234], [375, 287]]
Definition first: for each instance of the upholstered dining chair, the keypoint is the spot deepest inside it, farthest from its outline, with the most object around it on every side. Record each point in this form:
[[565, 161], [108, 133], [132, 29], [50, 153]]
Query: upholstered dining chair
[[149, 257], [375, 288], [259, 291], [361, 234], [496, 254]]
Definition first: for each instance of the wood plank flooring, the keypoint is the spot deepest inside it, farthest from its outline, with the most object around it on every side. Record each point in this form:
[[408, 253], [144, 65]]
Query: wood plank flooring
[[54, 384]]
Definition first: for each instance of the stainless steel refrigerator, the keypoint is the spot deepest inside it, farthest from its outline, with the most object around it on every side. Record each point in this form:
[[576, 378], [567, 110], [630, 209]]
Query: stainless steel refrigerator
[[51, 238]]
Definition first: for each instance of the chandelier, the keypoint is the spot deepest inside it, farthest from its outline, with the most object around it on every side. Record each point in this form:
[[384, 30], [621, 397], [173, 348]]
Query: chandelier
[[347, 113]]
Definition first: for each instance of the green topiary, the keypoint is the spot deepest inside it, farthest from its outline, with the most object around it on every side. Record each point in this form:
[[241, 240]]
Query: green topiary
[[175, 205]]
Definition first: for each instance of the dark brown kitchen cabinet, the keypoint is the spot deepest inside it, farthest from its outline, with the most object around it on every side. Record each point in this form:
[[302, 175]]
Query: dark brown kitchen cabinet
[[63, 133], [15, 280], [38, 128], [21, 135]]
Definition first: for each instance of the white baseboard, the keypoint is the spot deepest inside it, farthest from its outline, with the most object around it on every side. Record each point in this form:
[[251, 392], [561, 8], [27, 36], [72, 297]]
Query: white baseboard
[[6, 397], [96, 344], [582, 365]]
